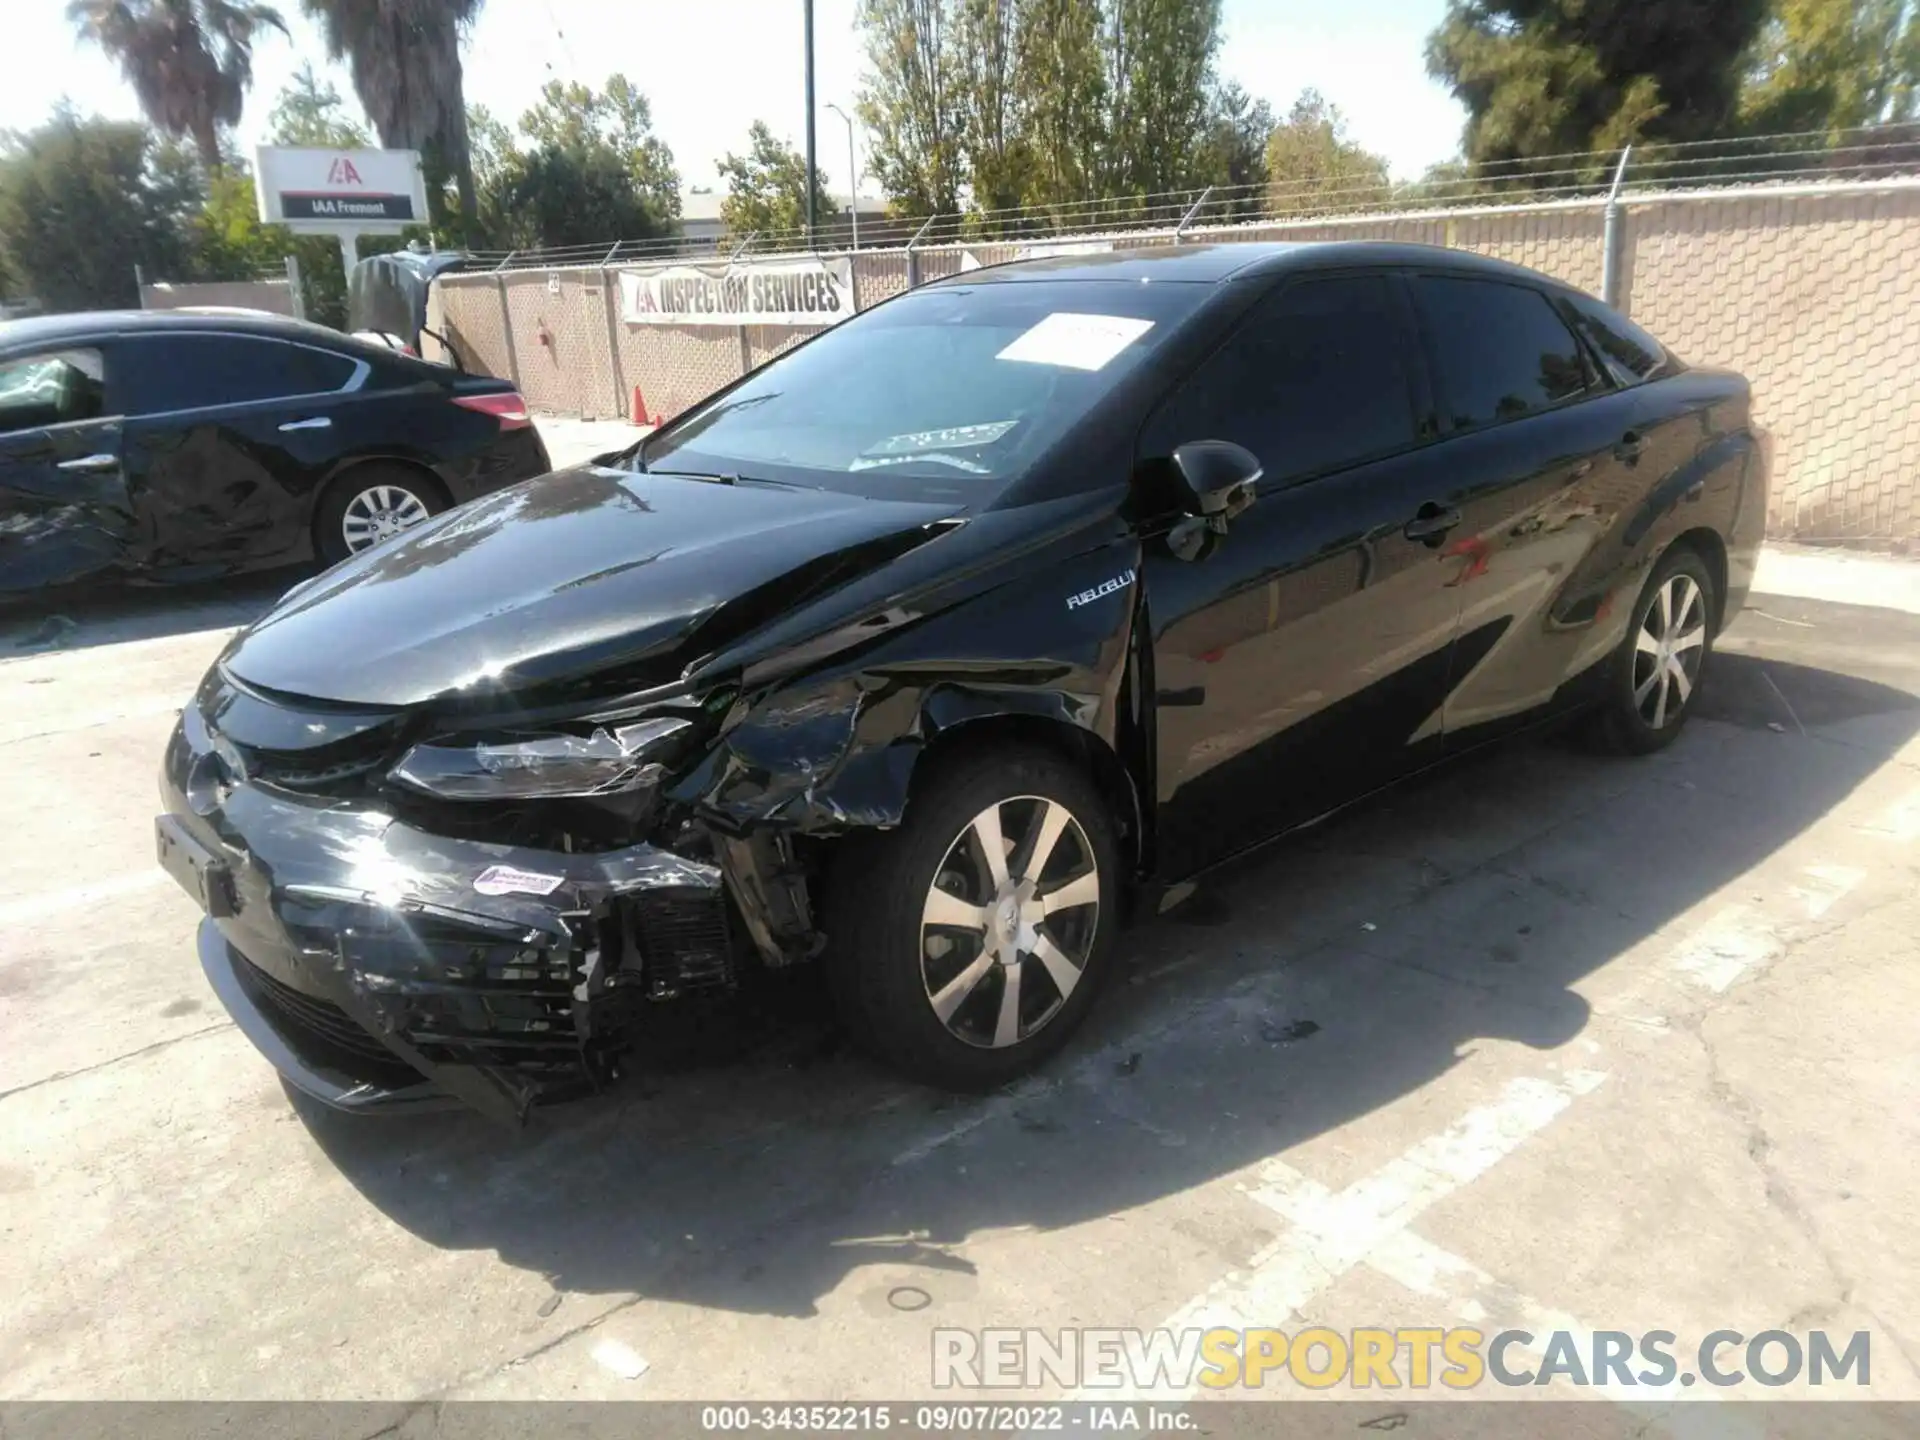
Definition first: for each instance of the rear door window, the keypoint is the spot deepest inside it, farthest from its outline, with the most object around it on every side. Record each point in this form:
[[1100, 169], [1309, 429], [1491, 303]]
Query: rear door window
[[57, 388], [1500, 350], [164, 373], [1315, 380]]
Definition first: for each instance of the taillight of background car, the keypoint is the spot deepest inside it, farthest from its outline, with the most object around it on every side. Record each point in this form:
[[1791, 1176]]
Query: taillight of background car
[[506, 406]]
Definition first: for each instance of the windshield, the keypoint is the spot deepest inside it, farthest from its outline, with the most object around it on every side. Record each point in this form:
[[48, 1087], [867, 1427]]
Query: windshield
[[944, 394]]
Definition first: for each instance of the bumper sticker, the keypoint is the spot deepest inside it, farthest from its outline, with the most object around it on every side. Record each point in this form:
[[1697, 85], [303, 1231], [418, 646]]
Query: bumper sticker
[[505, 880]]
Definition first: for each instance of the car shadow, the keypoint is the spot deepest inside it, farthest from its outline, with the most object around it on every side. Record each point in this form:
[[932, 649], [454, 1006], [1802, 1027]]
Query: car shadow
[[755, 1165], [79, 620]]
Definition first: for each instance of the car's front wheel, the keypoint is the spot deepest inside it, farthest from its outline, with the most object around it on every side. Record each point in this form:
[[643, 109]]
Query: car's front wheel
[[372, 503], [967, 945]]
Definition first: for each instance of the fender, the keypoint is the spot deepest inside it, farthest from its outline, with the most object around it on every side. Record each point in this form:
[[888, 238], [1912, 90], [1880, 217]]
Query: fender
[[836, 749], [1687, 485]]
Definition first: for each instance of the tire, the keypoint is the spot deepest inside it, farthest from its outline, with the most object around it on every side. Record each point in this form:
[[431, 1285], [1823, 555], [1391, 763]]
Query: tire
[[380, 501], [1651, 686], [929, 996]]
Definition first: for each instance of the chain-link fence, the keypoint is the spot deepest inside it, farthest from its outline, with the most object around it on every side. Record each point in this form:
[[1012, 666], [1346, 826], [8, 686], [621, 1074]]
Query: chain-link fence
[[1806, 279]]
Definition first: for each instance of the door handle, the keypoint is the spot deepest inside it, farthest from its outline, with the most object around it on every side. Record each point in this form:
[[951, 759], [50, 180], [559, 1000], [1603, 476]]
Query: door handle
[[1629, 447], [1431, 523], [91, 464], [317, 422]]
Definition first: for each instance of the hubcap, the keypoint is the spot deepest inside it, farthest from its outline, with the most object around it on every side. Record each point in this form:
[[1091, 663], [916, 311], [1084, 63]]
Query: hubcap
[[1668, 649], [379, 513], [1009, 922]]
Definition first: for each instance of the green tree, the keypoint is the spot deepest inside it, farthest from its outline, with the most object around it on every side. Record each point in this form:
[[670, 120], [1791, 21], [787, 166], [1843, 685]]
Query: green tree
[[311, 112], [1060, 81], [80, 206], [1556, 77], [404, 57], [190, 62], [910, 103], [1233, 150], [591, 171], [495, 163], [618, 121], [996, 156], [1159, 56], [767, 187], [1449, 182], [575, 197], [1312, 167], [1833, 65]]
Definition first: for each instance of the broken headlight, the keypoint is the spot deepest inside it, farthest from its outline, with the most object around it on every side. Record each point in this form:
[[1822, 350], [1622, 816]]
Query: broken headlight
[[612, 760]]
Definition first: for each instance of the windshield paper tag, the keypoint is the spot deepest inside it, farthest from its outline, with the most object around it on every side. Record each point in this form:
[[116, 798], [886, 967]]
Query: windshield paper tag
[[505, 880], [1077, 342]]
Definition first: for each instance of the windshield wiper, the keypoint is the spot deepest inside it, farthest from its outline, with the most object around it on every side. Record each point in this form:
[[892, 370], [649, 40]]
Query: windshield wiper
[[728, 477]]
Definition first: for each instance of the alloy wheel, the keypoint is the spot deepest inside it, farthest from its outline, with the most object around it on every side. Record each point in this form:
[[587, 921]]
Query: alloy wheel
[[378, 513], [1668, 649], [1009, 922]]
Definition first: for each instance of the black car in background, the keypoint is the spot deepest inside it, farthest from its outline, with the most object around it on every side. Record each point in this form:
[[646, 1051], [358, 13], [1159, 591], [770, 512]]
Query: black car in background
[[927, 649], [175, 445]]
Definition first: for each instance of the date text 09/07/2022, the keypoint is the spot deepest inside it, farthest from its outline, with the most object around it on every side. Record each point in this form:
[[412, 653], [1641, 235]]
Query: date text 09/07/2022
[[946, 1418]]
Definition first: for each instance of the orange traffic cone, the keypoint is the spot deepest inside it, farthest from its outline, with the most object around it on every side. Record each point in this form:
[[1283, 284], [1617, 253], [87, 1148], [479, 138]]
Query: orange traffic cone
[[639, 415]]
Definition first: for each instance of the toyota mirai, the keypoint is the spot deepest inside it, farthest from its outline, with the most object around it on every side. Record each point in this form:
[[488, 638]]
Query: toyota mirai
[[931, 649]]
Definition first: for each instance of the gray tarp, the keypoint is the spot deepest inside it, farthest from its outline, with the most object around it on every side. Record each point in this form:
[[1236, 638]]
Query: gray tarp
[[388, 293]]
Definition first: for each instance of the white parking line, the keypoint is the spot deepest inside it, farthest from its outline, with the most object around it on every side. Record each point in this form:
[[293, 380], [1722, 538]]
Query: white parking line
[[1332, 1233], [1491, 1305], [1734, 941], [1900, 822], [20, 912], [620, 1358], [15, 734], [1824, 887], [1739, 940]]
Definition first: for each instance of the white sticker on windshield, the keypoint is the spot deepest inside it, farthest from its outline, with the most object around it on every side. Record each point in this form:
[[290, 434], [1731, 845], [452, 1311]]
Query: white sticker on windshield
[[1078, 342], [505, 880]]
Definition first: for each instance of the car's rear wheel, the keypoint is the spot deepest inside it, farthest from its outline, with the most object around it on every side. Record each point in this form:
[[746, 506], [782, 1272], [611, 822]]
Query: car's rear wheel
[[371, 503], [1655, 675], [965, 947]]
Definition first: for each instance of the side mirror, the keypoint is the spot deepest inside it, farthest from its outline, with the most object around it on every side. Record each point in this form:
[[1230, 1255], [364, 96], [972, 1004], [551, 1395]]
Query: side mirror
[[1217, 479]]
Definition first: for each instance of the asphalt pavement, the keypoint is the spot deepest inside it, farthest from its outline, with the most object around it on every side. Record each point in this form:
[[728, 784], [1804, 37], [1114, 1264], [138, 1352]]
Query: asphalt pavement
[[1551, 1037]]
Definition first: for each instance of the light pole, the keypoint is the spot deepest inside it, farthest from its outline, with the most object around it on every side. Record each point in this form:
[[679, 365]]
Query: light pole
[[853, 175], [812, 184]]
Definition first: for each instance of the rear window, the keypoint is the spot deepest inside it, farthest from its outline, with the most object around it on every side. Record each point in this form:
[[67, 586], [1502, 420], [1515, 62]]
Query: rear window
[[1629, 353], [165, 373], [53, 389]]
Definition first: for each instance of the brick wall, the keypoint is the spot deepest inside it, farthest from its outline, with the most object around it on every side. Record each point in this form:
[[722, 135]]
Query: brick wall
[[1815, 297]]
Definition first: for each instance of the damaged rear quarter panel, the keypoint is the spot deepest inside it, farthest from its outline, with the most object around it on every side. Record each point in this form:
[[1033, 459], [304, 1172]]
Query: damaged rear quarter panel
[[835, 749]]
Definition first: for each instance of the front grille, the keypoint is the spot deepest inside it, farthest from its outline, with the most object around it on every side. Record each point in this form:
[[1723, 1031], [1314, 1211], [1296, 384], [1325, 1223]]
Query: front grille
[[685, 943], [324, 1034], [508, 1007], [330, 768]]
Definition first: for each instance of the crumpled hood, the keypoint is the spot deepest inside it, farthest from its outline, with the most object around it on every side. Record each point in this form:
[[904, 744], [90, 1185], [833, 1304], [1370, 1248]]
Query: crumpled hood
[[549, 579]]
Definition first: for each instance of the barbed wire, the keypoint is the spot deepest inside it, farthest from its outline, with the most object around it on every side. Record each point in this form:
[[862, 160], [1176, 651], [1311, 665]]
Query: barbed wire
[[1865, 153]]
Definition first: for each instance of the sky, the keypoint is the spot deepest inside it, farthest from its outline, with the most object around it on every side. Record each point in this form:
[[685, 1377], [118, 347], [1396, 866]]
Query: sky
[[712, 67]]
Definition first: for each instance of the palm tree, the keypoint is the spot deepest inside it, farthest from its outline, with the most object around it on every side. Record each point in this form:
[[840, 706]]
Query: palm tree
[[404, 56], [189, 61]]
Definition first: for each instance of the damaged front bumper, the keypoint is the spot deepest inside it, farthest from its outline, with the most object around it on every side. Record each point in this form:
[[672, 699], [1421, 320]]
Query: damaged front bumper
[[382, 967]]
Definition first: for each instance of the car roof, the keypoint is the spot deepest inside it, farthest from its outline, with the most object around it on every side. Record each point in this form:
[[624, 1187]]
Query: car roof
[[1213, 264], [82, 326]]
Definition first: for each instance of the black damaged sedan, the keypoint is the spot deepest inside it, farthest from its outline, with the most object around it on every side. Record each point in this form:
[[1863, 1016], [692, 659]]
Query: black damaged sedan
[[931, 648]]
